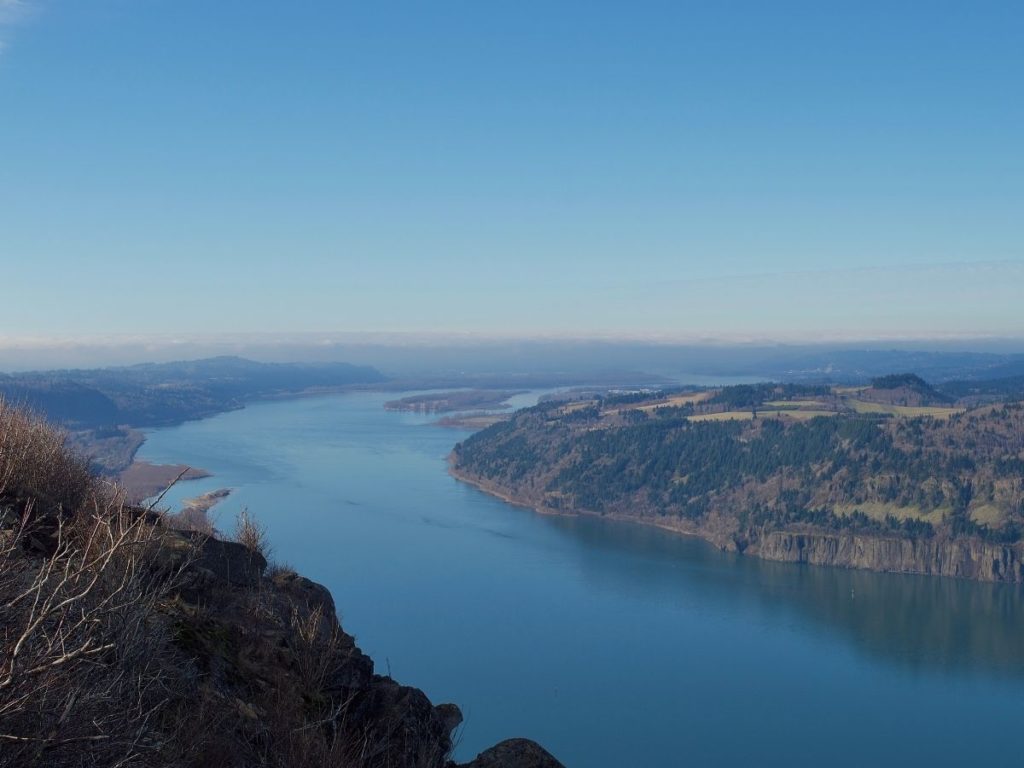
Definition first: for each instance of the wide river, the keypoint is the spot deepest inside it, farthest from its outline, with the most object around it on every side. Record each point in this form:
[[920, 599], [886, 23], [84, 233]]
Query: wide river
[[611, 644]]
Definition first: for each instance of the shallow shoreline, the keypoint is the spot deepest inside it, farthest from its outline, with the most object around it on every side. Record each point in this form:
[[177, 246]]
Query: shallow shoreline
[[143, 480], [471, 421]]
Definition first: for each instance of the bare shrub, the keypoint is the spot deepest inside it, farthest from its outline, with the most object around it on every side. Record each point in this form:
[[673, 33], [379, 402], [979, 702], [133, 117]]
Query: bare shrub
[[34, 464], [316, 647], [303, 722], [251, 534], [193, 519], [83, 657], [85, 660], [275, 569]]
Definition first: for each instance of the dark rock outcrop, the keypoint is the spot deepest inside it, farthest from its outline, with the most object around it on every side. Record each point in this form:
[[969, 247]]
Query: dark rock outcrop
[[515, 753], [231, 562], [271, 645]]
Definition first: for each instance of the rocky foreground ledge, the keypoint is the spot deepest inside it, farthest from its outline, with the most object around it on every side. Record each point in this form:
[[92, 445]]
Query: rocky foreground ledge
[[134, 638], [263, 638]]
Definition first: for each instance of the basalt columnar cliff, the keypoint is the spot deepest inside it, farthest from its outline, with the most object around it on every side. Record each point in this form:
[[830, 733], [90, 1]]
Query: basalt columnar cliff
[[129, 640], [891, 477]]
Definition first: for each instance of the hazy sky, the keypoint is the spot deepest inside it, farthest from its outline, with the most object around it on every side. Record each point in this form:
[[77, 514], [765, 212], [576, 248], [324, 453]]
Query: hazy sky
[[769, 169]]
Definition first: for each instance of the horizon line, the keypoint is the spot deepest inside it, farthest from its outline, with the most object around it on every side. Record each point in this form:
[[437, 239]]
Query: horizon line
[[432, 338]]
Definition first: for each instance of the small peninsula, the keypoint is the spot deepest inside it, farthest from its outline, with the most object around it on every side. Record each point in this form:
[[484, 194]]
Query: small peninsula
[[143, 480], [458, 400]]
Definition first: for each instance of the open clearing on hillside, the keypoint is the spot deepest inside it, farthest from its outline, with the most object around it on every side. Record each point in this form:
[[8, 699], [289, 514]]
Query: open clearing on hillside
[[672, 401], [675, 401], [939, 412], [801, 415], [724, 416], [879, 511], [748, 416], [797, 403], [984, 514], [988, 514], [578, 405]]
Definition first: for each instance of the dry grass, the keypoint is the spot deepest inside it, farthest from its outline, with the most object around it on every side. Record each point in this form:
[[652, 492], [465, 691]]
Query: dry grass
[[988, 514], [906, 411], [985, 514], [86, 663], [193, 519], [677, 400], [787, 404], [880, 511], [724, 416], [799, 415], [87, 674], [577, 405], [761, 414], [251, 534], [34, 465]]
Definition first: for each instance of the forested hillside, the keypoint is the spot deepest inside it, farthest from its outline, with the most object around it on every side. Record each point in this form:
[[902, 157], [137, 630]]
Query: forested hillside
[[739, 464]]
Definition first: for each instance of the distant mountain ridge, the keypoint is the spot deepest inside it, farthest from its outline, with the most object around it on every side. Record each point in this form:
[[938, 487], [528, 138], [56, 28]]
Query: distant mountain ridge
[[906, 389], [159, 394]]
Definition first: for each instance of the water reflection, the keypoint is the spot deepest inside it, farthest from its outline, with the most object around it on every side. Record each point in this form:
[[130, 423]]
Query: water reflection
[[917, 622]]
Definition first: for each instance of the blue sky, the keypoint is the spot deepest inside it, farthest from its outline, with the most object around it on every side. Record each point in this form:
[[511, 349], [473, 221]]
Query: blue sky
[[684, 170]]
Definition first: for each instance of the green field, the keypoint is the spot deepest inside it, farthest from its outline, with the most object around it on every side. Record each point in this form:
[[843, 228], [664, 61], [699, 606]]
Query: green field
[[675, 401], [938, 412], [988, 514], [984, 514], [879, 511]]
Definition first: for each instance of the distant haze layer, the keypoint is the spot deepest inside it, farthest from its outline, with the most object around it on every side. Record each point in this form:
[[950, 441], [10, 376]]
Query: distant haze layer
[[411, 356]]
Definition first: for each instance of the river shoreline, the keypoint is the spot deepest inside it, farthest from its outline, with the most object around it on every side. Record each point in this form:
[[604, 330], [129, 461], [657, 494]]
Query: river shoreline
[[964, 558], [490, 490]]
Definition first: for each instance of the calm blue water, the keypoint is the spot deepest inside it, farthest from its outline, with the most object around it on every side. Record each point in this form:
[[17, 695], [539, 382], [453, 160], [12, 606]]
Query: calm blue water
[[611, 644]]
